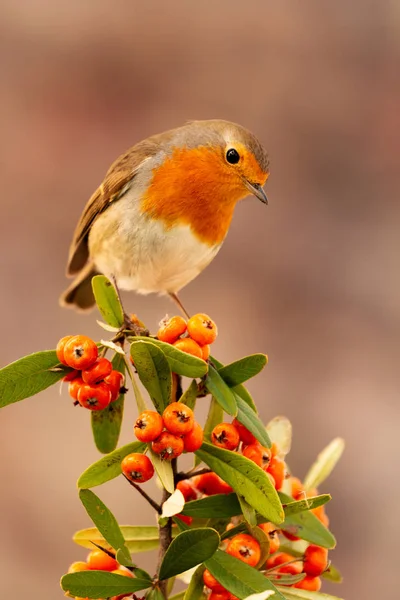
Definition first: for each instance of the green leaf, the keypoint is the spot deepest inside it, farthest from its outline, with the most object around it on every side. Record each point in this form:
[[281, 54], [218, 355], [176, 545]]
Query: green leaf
[[279, 430], [238, 578], [241, 391], [164, 471], [106, 523], [263, 539], [155, 594], [106, 424], [107, 301], [180, 596], [325, 463], [154, 372], [246, 478], [221, 392], [187, 550], [217, 506], [180, 362], [29, 376], [137, 539], [241, 370], [248, 512], [251, 421], [189, 397], [306, 526], [196, 586], [297, 594], [292, 508], [332, 574], [109, 466], [214, 417], [100, 584]]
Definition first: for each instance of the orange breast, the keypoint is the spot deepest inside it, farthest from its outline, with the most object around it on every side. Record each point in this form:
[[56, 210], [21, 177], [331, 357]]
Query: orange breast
[[195, 187]]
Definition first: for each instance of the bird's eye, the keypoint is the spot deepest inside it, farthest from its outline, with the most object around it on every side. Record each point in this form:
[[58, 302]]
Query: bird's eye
[[232, 156]]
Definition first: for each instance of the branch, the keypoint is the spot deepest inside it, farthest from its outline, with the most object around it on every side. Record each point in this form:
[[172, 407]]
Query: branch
[[190, 474], [150, 500]]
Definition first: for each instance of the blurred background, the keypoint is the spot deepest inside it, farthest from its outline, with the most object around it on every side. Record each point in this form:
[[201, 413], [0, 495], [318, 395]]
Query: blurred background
[[312, 279]]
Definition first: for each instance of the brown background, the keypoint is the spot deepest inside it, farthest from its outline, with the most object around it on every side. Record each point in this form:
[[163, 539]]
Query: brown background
[[312, 279]]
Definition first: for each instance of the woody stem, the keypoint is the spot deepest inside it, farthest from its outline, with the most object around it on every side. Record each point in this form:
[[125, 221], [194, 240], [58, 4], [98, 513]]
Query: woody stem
[[150, 500]]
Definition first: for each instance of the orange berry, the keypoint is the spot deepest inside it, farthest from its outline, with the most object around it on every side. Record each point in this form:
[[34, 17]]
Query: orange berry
[[185, 519], [315, 560], [225, 435], [98, 560], [297, 489], [193, 440], [178, 418], [312, 584], [321, 515], [74, 387], [220, 596], [210, 484], [189, 493], [171, 329], [245, 548], [258, 454], [202, 329], [168, 446], [60, 348], [95, 396], [293, 568], [271, 532], [78, 566], [80, 352], [189, 346], [137, 467], [98, 371], [245, 435], [115, 381], [71, 375], [211, 582], [125, 573], [148, 426], [277, 468], [206, 351], [289, 535]]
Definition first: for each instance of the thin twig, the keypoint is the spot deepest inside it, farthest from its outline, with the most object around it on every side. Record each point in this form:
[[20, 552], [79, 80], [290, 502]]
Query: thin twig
[[150, 500], [190, 474]]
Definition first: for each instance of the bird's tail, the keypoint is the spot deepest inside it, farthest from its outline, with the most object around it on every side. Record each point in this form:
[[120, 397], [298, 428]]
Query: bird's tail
[[80, 294]]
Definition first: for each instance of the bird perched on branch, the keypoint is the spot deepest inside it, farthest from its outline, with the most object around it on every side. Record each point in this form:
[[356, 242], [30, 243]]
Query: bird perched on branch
[[164, 209]]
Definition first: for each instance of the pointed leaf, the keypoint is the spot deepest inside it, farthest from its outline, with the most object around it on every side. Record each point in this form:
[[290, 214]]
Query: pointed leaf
[[221, 392], [154, 372], [29, 376], [180, 362], [280, 432], [325, 463], [189, 397], [196, 586], [140, 401], [137, 539], [249, 514], [332, 574], [246, 478], [297, 594], [164, 471], [106, 424], [217, 506], [251, 421], [109, 466], [298, 506], [107, 301], [100, 584], [306, 526], [238, 578], [241, 370], [155, 594], [241, 391], [188, 549]]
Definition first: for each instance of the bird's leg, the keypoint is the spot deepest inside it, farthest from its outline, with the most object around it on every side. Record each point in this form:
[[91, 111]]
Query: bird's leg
[[179, 303], [129, 323]]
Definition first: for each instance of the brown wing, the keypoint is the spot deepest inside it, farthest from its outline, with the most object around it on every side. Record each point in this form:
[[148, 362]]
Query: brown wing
[[117, 182]]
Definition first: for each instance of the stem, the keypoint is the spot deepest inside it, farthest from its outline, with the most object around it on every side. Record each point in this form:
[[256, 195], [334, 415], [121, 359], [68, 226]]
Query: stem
[[165, 533], [150, 500], [190, 474]]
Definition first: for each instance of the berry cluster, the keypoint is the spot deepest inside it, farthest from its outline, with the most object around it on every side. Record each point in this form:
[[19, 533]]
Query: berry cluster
[[193, 336], [98, 560], [93, 383]]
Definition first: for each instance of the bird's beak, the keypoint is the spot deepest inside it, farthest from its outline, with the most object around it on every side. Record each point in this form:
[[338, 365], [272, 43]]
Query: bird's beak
[[257, 191]]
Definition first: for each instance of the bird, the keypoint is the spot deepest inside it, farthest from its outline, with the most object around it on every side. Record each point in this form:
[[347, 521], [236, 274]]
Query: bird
[[164, 209]]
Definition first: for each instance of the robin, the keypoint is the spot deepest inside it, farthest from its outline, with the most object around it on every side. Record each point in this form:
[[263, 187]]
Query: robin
[[164, 209]]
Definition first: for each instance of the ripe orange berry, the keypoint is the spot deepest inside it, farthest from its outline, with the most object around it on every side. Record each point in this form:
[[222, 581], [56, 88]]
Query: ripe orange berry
[[258, 454], [206, 350], [78, 566], [245, 435], [312, 584], [95, 396], [80, 352], [189, 346], [293, 568], [210, 484], [321, 515], [98, 371], [271, 532], [148, 426], [220, 596], [178, 418], [225, 435], [74, 387], [137, 467], [277, 468], [189, 493], [315, 560], [202, 329], [297, 489], [185, 519], [98, 560], [60, 348], [245, 548], [115, 381], [71, 375], [171, 329], [211, 582], [194, 439], [168, 446], [289, 535]]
